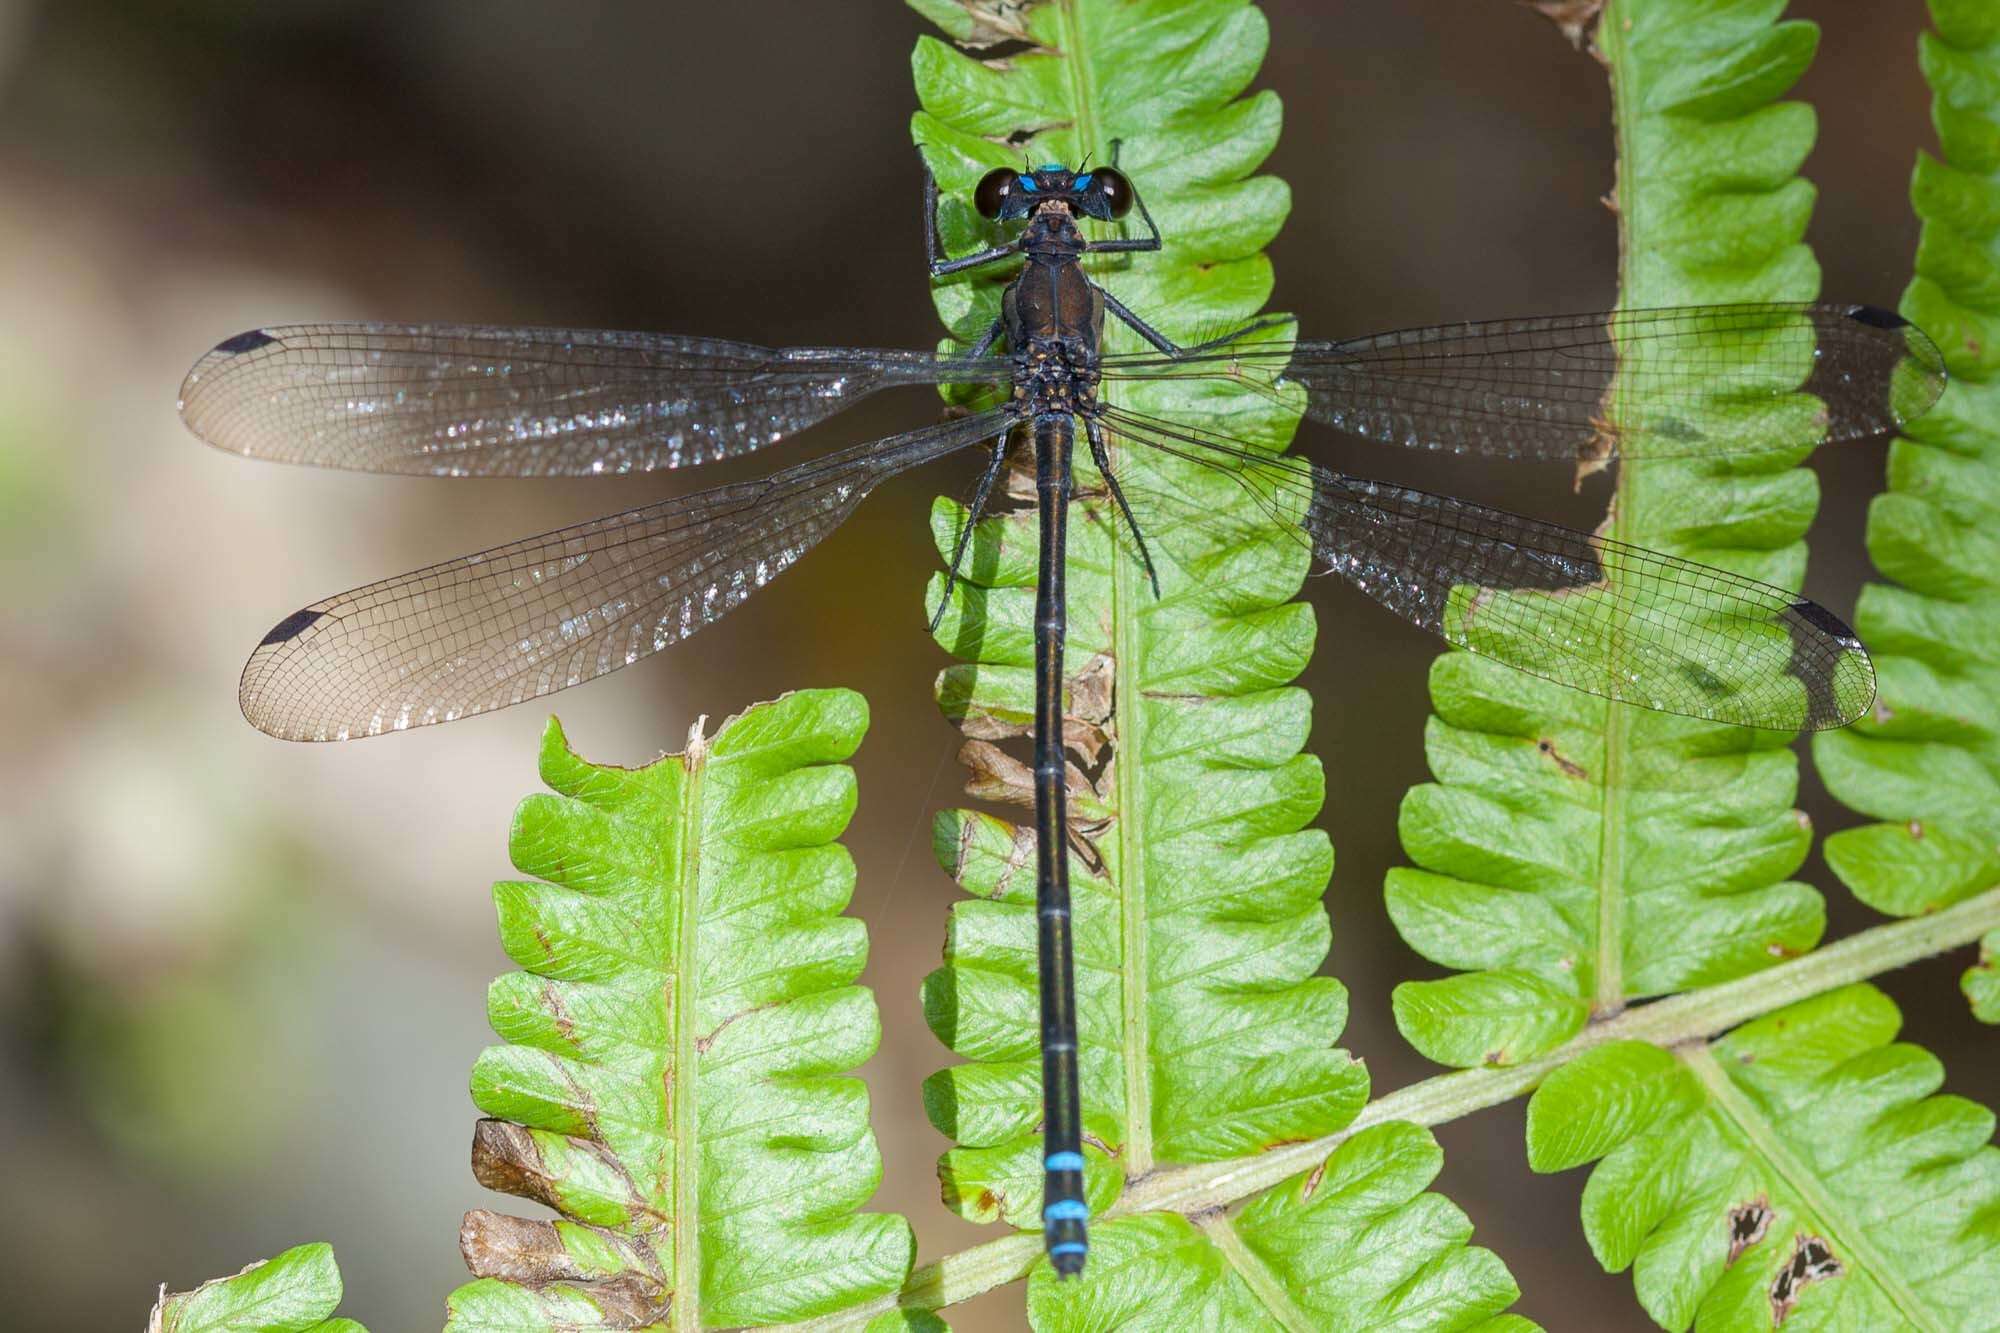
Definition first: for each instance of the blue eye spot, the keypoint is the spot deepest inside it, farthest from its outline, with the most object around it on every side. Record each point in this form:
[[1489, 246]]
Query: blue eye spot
[[1081, 182], [1026, 183]]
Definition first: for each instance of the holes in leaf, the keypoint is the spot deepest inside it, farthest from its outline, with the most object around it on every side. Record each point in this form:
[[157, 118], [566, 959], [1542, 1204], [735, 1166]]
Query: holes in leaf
[[1569, 767], [1748, 1223], [1812, 1261]]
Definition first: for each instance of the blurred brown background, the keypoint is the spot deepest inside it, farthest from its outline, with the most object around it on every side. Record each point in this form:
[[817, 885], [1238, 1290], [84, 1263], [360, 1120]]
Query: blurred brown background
[[241, 982]]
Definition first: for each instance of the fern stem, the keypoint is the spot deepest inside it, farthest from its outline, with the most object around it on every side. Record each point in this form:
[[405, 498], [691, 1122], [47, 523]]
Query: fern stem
[[1690, 1016], [1608, 984], [1274, 1302], [686, 1314], [1127, 777]]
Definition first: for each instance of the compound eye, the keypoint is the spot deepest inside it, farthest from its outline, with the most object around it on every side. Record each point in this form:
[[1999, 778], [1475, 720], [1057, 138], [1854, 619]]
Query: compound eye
[[992, 191], [1111, 186]]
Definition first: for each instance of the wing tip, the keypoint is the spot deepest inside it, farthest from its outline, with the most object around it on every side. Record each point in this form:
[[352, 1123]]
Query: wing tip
[[188, 405], [1826, 622], [1913, 397], [1847, 693], [264, 707]]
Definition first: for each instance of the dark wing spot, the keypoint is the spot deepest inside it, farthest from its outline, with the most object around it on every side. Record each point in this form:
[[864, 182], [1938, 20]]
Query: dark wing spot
[[291, 627], [1824, 621], [246, 342], [1811, 626], [1875, 317]]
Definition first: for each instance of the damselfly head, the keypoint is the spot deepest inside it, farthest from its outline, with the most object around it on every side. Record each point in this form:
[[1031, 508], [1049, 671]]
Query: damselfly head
[[1007, 195]]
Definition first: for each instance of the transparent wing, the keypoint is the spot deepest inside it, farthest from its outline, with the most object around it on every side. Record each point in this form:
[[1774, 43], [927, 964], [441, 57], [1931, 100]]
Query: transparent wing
[[1697, 381], [539, 615], [1584, 611], [466, 401]]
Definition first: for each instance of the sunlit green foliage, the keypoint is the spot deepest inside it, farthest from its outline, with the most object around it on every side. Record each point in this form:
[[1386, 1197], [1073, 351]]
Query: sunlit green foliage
[[296, 1292], [1726, 1163], [674, 1080], [1574, 854], [1928, 761]]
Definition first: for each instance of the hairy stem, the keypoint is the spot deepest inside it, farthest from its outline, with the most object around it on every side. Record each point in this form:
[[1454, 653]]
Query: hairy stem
[[1691, 1016]]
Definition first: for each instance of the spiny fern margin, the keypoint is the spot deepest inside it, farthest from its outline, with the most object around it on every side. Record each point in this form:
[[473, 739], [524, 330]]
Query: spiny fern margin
[[296, 1292], [674, 1080], [1574, 853], [1928, 760], [1798, 1171], [1205, 1033]]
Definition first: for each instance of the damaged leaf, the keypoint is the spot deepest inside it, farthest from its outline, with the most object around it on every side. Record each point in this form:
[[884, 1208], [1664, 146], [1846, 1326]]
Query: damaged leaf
[[1805, 1164], [977, 23], [296, 1292], [1572, 18], [1812, 1261], [1749, 1223], [673, 1081]]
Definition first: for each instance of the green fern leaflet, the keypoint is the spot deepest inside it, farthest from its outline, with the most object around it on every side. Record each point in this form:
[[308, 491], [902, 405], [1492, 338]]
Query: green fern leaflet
[[1928, 761], [1799, 1171], [674, 1080], [295, 1292]]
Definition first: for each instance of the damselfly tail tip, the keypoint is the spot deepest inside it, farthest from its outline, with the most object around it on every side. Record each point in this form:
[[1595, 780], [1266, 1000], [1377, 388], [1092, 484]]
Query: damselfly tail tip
[[1067, 1257], [1065, 1220]]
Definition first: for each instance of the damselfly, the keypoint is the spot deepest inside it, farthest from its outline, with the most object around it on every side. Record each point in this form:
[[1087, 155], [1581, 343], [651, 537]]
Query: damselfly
[[522, 620]]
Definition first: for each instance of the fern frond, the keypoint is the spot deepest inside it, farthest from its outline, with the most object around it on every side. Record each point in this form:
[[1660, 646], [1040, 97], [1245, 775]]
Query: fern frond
[[673, 1082], [1575, 854], [1196, 881], [1798, 1171], [1927, 762], [295, 1292]]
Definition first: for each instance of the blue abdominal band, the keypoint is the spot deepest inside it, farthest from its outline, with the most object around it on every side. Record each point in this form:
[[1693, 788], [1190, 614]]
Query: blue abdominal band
[[1065, 1210], [1064, 1161]]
